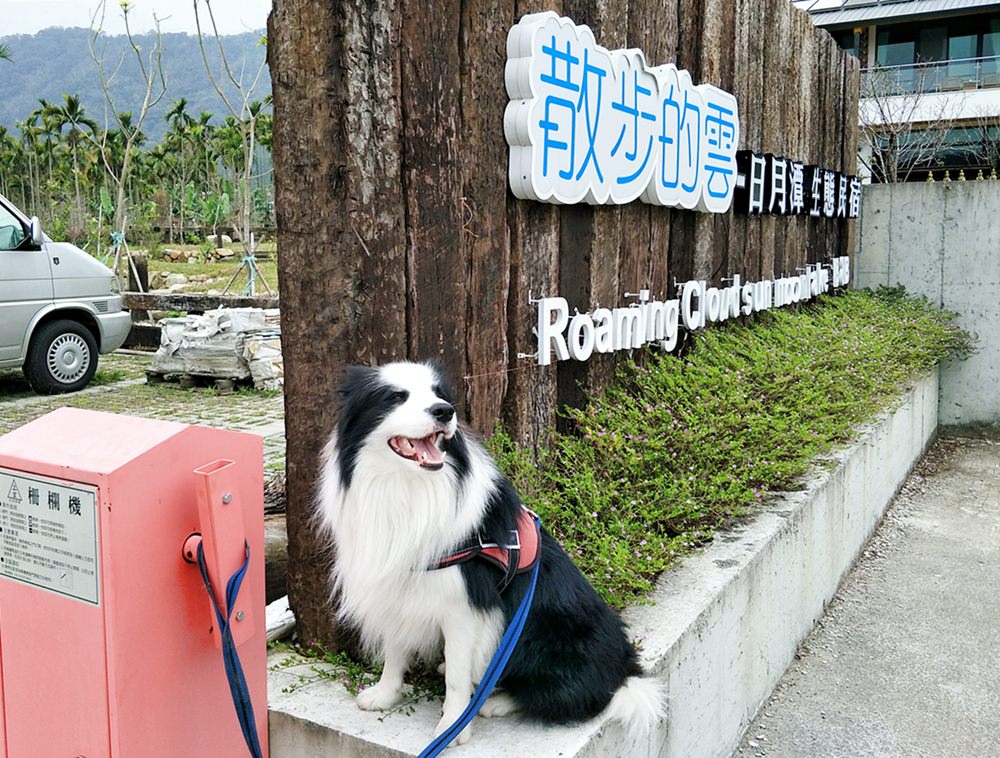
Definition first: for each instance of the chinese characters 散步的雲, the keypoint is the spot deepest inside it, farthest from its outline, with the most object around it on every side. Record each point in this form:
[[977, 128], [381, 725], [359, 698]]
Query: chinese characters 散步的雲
[[588, 124]]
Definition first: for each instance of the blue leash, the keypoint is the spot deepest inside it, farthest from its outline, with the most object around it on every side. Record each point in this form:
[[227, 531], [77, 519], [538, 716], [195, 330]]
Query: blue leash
[[230, 658], [493, 672]]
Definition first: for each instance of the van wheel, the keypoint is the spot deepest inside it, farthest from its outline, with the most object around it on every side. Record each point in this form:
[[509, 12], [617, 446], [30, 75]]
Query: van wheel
[[62, 357]]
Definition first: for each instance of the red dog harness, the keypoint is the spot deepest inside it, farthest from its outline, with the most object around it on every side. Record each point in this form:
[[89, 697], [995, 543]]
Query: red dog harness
[[517, 555]]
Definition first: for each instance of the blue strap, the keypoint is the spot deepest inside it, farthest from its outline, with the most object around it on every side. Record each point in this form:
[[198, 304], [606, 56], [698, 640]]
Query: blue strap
[[493, 672], [230, 658]]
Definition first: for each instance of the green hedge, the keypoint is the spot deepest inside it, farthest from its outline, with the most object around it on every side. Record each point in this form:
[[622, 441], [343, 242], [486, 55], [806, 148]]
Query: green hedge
[[680, 447]]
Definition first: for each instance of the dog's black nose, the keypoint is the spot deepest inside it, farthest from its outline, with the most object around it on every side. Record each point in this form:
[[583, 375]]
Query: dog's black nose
[[442, 412]]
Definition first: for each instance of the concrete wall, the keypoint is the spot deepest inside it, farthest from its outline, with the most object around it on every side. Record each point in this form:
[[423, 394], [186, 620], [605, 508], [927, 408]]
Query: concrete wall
[[720, 630], [942, 241]]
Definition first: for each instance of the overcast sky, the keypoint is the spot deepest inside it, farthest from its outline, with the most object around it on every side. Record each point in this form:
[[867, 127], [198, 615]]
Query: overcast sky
[[232, 16]]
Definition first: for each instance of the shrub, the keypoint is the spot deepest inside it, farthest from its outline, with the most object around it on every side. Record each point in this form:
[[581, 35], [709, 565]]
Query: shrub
[[680, 447]]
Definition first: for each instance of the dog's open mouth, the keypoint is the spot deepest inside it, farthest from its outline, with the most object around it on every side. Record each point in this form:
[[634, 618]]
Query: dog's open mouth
[[424, 451]]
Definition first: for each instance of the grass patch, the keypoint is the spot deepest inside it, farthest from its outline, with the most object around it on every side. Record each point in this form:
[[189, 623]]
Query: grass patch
[[218, 272], [249, 391], [111, 368], [108, 376], [680, 447], [424, 682]]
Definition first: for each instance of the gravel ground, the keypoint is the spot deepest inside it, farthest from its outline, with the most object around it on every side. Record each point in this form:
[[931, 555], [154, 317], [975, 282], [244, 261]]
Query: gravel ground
[[903, 663]]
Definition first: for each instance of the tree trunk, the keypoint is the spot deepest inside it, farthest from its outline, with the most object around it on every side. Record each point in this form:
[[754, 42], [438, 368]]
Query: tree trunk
[[340, 232], [122, 189], [76, 188], [246, 177]]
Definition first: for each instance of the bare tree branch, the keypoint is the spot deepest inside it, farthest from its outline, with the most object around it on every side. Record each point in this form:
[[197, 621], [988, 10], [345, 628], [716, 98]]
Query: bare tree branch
[[903, 125], [245, 116], [130, 129], [986, 128]]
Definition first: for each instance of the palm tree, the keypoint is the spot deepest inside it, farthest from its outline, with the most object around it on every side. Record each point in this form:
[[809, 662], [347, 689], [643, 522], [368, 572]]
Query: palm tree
[[46, 134], [28, 142], [203, 133], [178, 115], [4, 52], [181, 140], [11, 164], [71, 115]]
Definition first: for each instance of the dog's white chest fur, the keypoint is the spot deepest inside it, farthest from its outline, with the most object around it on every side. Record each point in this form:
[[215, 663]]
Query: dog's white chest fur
[[389, 527], [391, 530]]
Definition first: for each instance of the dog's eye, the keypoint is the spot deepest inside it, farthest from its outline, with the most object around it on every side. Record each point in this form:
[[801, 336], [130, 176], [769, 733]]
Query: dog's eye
[[399, 395]]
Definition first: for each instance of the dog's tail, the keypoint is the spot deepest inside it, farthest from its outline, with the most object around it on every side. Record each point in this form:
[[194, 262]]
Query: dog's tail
[[639, 704]]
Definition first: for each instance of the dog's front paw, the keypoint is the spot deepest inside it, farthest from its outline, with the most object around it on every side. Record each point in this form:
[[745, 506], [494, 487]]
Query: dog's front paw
[[447, 720], [378, 698]]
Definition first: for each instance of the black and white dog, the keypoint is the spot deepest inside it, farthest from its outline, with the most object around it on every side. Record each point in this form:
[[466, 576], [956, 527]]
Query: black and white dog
[[402, 487]]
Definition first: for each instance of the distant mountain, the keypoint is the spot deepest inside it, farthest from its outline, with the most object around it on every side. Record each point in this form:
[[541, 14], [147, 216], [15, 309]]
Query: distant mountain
[[57, 61]]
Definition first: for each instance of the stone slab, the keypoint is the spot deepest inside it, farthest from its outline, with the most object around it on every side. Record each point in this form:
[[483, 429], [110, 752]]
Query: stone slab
[[940, 241]]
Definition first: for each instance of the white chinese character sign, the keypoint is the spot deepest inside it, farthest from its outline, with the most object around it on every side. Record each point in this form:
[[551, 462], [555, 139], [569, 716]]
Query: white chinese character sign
[[587, 124]]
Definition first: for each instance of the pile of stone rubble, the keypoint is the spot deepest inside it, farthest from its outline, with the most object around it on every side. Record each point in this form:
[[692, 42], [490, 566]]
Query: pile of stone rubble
[[226, 343]]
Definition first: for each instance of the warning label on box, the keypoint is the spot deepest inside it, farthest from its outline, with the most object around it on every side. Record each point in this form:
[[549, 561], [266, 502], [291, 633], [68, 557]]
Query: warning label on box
[[48, 534]]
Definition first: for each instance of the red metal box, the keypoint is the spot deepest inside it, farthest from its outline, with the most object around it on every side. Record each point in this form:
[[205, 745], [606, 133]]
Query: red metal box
[[108, 645]]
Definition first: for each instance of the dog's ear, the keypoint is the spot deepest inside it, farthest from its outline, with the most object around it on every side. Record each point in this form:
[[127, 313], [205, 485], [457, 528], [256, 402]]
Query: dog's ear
[[356, 378]]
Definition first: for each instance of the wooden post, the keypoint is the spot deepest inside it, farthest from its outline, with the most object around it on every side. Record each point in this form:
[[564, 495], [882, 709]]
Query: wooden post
[[141, 263], [142, 268], [340, 215]]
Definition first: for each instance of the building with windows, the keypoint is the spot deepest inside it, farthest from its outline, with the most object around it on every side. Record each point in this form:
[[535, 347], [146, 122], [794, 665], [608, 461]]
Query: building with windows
[[930, 83]]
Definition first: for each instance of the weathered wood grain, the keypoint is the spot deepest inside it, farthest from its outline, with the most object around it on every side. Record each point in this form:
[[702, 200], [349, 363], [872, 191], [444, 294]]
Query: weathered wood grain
[[340, 223], [849, 151], [193, 302], [590, 236], [529, 407], [485, 233], [653, 27], [437, 267]]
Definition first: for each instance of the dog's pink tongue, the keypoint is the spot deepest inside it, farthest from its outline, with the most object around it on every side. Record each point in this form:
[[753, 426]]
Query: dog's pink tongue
[[427, 452]]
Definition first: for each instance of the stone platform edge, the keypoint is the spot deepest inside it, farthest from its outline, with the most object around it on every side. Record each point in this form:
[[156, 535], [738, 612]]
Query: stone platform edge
[[720, 630]]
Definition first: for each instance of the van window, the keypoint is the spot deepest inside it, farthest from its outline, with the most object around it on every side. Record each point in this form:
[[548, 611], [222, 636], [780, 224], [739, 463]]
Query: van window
[[11, 232]]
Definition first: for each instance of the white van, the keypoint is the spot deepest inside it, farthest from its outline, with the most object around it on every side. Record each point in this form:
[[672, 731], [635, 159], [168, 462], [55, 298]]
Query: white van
[[59, 307]]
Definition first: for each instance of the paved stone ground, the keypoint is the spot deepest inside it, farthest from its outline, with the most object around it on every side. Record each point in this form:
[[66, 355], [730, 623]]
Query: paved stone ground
[[125, 391], [904, 662]]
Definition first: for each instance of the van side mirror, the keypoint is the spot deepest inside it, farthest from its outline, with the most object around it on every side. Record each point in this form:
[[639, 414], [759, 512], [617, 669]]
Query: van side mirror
[[37, 238]]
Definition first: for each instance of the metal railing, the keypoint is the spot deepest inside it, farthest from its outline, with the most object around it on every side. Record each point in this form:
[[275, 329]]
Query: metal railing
[[935, 76]]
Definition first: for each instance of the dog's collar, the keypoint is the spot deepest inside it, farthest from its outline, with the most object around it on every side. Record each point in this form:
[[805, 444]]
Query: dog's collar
[[519, 554]]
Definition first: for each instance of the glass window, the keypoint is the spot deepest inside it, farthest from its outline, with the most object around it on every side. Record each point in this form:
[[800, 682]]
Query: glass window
[[991, 39], [962, 46], [11, 232], [933, 44], [846, 41], [991, 44], [896, 47], [960, 49]]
